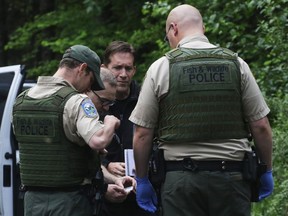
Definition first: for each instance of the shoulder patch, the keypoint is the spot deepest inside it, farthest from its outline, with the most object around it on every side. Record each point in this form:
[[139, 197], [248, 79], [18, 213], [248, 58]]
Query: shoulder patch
[[89, 108]]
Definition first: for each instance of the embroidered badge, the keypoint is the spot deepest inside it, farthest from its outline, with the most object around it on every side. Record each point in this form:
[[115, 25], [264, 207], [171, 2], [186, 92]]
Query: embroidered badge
[[89, 108]]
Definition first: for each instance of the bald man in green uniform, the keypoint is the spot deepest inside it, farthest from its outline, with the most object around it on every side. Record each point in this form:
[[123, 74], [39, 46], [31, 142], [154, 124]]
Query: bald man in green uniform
[[203, 102]]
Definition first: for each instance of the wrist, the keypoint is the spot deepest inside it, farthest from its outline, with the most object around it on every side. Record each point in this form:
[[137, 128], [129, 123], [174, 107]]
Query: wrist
[[143, 179]]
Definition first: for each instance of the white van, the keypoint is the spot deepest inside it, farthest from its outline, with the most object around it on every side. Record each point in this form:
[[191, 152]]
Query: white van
[[11, 84]]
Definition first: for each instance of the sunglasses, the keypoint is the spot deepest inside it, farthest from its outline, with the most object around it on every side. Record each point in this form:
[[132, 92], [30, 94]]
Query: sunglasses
[[166, 38], [104, 101]]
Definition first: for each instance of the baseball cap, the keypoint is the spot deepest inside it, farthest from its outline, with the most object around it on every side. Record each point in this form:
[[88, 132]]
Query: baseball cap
[[85, 55]]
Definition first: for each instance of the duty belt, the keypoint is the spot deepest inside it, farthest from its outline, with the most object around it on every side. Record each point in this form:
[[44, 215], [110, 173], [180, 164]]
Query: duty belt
[[188, 164]]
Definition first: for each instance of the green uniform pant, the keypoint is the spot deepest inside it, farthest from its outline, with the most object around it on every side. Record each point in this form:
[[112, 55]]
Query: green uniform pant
[[205, 193], [56, 203]]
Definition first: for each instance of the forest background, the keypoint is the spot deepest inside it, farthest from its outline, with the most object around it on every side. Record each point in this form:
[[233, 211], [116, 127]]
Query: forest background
[[35, 33]]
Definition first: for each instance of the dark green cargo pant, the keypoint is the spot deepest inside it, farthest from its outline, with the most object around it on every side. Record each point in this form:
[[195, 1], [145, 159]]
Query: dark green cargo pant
[[56, 203], [205, 193]]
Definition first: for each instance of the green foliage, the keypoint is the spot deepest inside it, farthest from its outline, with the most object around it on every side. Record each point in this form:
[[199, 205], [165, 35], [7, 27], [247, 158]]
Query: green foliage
[[149, 40], [256, 30], [277, 204], [273, 34], [53, 32], [49, 34]]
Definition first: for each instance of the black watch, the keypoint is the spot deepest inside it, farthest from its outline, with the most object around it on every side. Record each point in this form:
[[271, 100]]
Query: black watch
[[105, 162]]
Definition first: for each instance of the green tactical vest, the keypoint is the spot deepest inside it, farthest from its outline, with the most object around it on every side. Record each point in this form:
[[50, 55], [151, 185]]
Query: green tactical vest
[[47, 157], [204, 98]]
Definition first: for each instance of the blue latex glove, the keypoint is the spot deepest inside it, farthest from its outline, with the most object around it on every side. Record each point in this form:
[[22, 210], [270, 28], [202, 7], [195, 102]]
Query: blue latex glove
[[266, 185], [145, 195]]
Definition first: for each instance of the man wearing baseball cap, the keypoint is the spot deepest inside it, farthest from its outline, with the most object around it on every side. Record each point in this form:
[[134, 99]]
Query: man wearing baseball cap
[[85, 55], [60, 137]]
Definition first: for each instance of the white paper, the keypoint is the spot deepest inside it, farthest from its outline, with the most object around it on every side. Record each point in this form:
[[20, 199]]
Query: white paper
[[129, 162], [128, 189]]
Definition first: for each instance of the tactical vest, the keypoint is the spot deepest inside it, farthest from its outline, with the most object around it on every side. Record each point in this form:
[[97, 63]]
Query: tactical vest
[[204, 98], [47, 157]]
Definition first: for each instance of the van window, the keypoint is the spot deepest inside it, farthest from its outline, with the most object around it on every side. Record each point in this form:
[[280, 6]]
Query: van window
[[5, 83]]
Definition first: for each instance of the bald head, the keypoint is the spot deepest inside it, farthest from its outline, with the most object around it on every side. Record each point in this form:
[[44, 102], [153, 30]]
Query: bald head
[[187, 20], [108, 77]]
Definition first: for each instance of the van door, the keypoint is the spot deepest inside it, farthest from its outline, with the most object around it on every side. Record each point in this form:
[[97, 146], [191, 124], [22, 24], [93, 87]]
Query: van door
[[11, 81]]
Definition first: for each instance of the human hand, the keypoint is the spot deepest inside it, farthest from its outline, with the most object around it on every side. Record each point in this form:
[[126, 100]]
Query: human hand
[[266, 185], [111, 120], [115, 193], [126, 181], [116, 168], [145, 195]]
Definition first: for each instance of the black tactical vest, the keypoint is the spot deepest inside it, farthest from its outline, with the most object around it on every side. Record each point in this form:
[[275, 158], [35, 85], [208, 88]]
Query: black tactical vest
[[47, 157], [204, 98]]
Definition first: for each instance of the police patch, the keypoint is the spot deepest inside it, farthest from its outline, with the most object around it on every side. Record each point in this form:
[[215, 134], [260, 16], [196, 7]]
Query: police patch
[[89, 108]]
